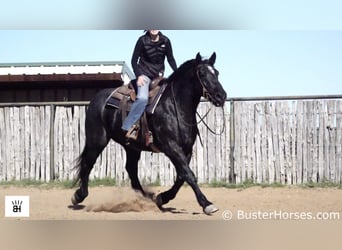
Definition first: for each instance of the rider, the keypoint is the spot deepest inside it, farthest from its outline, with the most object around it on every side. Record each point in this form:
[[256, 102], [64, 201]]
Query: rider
[[148, 63]]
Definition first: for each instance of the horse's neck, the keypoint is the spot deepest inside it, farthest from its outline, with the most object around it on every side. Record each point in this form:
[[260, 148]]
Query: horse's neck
[[185, 93]]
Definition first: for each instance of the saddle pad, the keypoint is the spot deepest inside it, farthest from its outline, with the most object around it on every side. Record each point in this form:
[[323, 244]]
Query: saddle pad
[[150, 108], [113, 102]]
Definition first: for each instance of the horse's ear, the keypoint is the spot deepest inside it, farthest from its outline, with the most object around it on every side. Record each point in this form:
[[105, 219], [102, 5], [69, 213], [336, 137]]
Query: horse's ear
[[212, 59], [198, 58]]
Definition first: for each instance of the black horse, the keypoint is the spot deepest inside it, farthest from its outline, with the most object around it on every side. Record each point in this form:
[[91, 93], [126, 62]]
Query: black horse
[[173, 126]]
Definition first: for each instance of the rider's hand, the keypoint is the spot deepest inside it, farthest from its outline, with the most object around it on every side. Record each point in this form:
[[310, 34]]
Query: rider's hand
[[140, 81]]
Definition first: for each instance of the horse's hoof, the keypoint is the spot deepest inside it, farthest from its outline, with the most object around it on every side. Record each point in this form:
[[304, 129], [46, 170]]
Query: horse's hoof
[[74, 200], [210, 209], [150, 195], [159, 201]]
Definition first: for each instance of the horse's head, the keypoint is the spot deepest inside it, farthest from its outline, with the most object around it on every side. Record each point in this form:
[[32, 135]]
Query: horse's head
[[208, 77]]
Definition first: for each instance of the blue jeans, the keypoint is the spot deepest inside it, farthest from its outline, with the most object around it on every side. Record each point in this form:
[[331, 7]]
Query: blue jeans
[[138, 106]]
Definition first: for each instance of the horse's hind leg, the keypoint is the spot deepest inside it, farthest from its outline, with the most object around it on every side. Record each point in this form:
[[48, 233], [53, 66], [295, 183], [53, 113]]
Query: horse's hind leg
[[181, 162], [86, 162], [170, 194]]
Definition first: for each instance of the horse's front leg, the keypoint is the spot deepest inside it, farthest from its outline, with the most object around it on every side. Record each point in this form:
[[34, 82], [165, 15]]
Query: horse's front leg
[[184, 173], [133, 158]]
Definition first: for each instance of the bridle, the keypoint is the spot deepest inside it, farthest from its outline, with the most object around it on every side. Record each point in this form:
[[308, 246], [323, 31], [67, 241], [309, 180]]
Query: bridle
[[206, 94]]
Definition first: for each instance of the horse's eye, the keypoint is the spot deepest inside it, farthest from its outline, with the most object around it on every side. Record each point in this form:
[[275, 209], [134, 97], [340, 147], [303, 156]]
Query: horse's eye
[[202, 71]]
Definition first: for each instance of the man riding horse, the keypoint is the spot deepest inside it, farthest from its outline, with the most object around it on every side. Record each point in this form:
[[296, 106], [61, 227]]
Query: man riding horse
[[148, 63]]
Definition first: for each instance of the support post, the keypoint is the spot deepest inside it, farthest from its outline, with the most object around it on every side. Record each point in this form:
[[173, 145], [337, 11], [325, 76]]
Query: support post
[[52, 142], [232, 143]]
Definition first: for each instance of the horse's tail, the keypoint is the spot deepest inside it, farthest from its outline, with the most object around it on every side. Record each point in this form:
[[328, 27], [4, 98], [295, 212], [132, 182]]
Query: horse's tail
[[78, 165]]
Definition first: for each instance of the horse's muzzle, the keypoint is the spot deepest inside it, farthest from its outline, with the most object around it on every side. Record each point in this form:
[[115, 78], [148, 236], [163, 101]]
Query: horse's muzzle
[[219, 99]]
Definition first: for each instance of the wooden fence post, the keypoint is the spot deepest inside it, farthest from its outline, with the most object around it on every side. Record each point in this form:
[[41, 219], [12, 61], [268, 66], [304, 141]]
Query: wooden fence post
[[232, 178], [52, 138]]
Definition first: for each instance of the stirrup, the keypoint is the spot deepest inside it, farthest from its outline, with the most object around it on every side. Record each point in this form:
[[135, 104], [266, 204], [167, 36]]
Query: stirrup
[[148, 138], [132, 133]]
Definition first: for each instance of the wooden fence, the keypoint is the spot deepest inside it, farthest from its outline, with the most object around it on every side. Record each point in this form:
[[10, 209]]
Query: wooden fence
[[290, 141]]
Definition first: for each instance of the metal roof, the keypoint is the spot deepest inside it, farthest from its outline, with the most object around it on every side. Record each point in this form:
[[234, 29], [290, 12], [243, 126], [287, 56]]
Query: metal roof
[[66, 68]]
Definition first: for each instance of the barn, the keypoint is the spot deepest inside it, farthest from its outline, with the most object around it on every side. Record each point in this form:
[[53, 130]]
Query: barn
[[59, 82]]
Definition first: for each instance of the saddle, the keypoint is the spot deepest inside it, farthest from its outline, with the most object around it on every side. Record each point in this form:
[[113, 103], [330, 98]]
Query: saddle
[[123, 97]]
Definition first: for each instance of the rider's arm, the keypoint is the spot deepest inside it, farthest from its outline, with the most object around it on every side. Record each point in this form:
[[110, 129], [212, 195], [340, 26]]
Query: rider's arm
[[170, 58]]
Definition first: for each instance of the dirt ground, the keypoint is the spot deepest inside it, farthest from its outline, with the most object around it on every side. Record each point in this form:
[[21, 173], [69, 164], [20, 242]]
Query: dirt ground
[[122, 203]]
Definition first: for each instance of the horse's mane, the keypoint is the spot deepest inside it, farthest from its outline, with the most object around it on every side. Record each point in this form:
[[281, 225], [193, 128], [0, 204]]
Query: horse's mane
[[182, 70]]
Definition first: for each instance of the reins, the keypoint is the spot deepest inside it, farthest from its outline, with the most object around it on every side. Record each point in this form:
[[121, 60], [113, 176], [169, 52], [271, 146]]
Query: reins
[[207, 126]]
